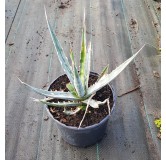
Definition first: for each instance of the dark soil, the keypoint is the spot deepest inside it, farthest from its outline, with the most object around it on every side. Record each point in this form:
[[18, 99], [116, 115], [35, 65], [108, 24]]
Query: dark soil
[[93, 116]]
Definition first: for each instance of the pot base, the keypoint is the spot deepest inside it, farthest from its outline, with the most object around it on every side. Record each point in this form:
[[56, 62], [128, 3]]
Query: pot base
[[83, 137]]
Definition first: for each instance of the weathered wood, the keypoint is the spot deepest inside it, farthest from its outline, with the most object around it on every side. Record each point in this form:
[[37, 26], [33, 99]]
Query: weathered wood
[[29, 61], [125, 134], [146, 63], [12, 8]]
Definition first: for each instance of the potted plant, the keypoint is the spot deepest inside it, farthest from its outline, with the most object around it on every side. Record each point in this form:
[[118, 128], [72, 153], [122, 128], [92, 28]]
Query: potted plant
[[80, 101]]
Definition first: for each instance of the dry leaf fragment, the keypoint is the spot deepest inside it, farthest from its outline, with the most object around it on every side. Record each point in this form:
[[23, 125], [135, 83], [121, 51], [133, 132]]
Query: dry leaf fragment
[[10, 44], [46, 119], [156, 74], [159, 135], [45, 85], [52, 110]]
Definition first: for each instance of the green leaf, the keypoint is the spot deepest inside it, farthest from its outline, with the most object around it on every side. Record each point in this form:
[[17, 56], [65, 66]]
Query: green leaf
[[77, 81], [52, 94], [83, 54], [87, 65], [72, 90], [109, 77], [72, 56], [59, 50], [104, 71], [78, 84]]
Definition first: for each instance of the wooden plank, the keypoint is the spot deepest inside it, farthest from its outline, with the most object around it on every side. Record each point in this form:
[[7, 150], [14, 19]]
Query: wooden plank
[[144, 31], [11, 9], [126, 138], [154, 8], [29, 61], [12, 26]]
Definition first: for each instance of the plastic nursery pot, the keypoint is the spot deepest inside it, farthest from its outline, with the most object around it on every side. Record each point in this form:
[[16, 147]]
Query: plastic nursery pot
[[83, 137]]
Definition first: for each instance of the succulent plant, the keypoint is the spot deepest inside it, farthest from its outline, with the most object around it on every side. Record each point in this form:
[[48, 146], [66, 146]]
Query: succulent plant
[[79, 94]]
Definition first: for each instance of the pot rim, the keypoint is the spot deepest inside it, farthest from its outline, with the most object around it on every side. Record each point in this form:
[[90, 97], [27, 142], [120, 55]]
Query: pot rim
[[91, 126]]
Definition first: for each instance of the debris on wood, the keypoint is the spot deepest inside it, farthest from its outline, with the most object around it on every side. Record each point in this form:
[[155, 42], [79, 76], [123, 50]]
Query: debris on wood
[[133, 21], [45, 85], [62, 6], [46, 119], [131, 90], [90, 33], [159, 135], [155, 24], [108, 29], [108, 45], [159, 49], [134, 24], [10, 44], [159, 8], [156, 74]]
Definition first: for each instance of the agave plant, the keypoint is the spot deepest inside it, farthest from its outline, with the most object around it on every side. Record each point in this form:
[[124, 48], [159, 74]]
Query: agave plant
[[79, 94]]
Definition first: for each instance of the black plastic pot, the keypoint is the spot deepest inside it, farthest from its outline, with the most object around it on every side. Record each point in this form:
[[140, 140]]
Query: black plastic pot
[[83, 137]]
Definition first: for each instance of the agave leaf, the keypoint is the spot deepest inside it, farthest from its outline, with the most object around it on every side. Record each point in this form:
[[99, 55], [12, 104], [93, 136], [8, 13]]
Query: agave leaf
[[59, 50], [87, 65], [93, 103], [78, 84], [77, 81], [70, 112], [72, 59], [72, 56], [59, 104], [72, 90], [104, 71], [52, 94], [83, 53], [109, 77]]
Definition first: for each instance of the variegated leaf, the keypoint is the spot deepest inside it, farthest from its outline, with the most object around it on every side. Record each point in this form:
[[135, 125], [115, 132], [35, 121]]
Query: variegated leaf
[[83, 53], [104, 71], [52, 94], [77, 81], [87, 65], [61, 55], [72, 90], [109, 77], [59, 104], [78, 84]]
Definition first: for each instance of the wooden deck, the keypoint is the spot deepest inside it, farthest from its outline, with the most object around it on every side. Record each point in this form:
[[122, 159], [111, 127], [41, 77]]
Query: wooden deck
[[117, 29]]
